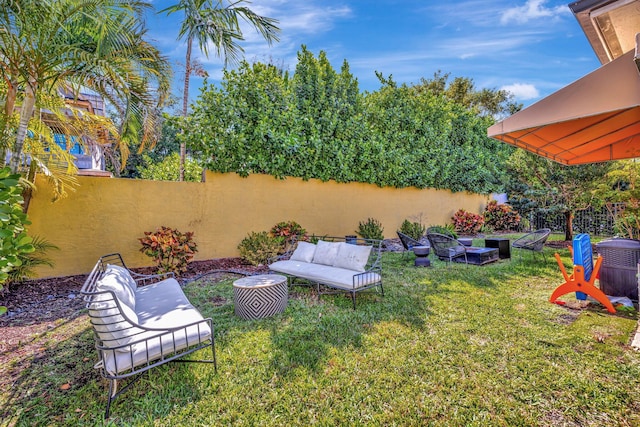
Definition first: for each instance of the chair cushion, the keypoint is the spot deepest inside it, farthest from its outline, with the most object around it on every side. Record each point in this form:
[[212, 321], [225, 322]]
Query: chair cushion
[[326, 252], [304, 252], [121, 274], [352, 257], [113, 309], [161, 305], [333, 276]]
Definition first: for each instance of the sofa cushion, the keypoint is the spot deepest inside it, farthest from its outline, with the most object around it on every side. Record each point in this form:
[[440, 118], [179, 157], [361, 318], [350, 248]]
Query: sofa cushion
[[326, 252], [122, 274], [161, 305], [112, 309], [332, 276], [352, 257], [304, 252]]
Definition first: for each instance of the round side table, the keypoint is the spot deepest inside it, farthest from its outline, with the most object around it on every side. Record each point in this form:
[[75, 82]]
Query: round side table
[[422, 253], [260, 296]]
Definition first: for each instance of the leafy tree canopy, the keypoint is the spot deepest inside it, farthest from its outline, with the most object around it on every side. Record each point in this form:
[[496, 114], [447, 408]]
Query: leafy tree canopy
[[536, 183], [317, 124]]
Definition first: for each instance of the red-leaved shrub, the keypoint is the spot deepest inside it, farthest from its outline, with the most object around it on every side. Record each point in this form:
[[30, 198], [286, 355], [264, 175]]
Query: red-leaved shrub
[[467, 222]]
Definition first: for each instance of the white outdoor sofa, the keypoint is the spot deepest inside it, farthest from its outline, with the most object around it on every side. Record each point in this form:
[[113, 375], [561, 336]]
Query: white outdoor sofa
[[344, 267], [140, 322]]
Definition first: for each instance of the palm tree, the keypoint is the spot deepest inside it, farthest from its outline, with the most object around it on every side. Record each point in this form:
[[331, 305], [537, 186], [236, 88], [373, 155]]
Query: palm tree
[[209, 21], [51, 46]]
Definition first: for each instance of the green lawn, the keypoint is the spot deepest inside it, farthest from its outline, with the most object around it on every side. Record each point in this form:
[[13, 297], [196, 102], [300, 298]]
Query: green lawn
[[450, 345]]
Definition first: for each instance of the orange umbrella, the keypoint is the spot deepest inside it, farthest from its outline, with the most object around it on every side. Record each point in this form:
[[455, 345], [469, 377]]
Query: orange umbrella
[[594, 119]]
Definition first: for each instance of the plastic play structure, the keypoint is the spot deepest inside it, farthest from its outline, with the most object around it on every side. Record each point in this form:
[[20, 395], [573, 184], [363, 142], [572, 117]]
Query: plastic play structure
[[584, 274]]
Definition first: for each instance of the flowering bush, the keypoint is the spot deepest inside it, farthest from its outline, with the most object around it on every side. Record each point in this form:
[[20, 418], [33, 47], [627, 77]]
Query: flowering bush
[[501, 217], [467, 222], [169, 248], [289, 230]]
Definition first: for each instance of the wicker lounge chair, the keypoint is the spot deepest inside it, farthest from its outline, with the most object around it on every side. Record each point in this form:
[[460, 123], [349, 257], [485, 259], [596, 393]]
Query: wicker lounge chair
[[533, 242], [407, 242], [446, 247]]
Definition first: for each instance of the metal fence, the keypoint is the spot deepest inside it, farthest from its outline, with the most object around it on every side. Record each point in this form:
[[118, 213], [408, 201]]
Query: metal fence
[[598, 222]]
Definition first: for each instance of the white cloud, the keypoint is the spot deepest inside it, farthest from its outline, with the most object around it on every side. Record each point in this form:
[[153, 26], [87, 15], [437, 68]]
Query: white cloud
[[522, 91], [531, 10]]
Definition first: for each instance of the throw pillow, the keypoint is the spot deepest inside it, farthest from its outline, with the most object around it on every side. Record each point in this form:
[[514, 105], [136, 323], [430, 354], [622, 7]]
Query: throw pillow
[[352, 257], [121, 274], [326, 252], [304, 252]]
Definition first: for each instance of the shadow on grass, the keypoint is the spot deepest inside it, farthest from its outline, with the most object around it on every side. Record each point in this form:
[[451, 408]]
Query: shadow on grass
[[58, 385]]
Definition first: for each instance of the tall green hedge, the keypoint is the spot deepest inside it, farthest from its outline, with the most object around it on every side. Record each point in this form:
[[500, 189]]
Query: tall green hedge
[[317, 124]]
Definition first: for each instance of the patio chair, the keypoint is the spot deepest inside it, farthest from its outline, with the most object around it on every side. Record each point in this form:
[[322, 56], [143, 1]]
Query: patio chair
[[533, 242], [446, 247], [407, 243]]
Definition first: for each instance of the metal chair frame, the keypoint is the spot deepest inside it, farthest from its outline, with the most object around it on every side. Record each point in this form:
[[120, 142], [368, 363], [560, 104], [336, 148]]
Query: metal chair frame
[[407, 242], [374, 265], [105, 348], [533, 242], [446, 247]]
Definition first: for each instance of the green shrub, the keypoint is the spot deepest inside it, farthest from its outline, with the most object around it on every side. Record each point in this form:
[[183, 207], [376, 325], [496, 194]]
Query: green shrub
[[170, 249], [258, 247], [467, 222], [415, 230], [501, 217], [370, 229], [447, 230]]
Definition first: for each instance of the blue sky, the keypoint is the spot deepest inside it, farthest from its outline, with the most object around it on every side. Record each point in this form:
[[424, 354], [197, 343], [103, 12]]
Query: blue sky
[[529, 47]]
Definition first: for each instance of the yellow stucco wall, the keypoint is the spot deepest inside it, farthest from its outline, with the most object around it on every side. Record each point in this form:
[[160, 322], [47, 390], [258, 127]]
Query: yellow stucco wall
[[106, 215]]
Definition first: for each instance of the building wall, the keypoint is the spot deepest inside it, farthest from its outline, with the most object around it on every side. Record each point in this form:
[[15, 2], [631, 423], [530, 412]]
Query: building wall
[[106, 215]]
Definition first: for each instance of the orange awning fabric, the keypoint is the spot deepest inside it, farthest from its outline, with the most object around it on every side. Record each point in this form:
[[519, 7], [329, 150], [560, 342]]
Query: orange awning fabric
[[594, 119]]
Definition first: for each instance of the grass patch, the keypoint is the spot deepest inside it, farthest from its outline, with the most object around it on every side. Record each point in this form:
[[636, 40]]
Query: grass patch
[[450, 345]]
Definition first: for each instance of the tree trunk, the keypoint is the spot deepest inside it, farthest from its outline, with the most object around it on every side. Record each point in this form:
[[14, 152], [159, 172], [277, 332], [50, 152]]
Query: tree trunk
[[26, 111], [568, 222], [9, 103], [185, 105]]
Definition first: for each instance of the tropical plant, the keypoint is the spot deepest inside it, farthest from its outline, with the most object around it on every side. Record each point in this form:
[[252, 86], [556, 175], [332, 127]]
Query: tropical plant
[[501, 216], [48, 48], [467, 222], [14, 242], [214, 23], [169, 248], [619, 192], [414, 229], [370, 229], [30, 260], [258, 247]]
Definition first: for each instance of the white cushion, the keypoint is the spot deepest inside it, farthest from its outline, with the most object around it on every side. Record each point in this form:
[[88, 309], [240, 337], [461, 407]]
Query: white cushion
[[326, 252], [122, 274], [113, 311], [161, 305], [340, 278], [304, 252], [352, 257]]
